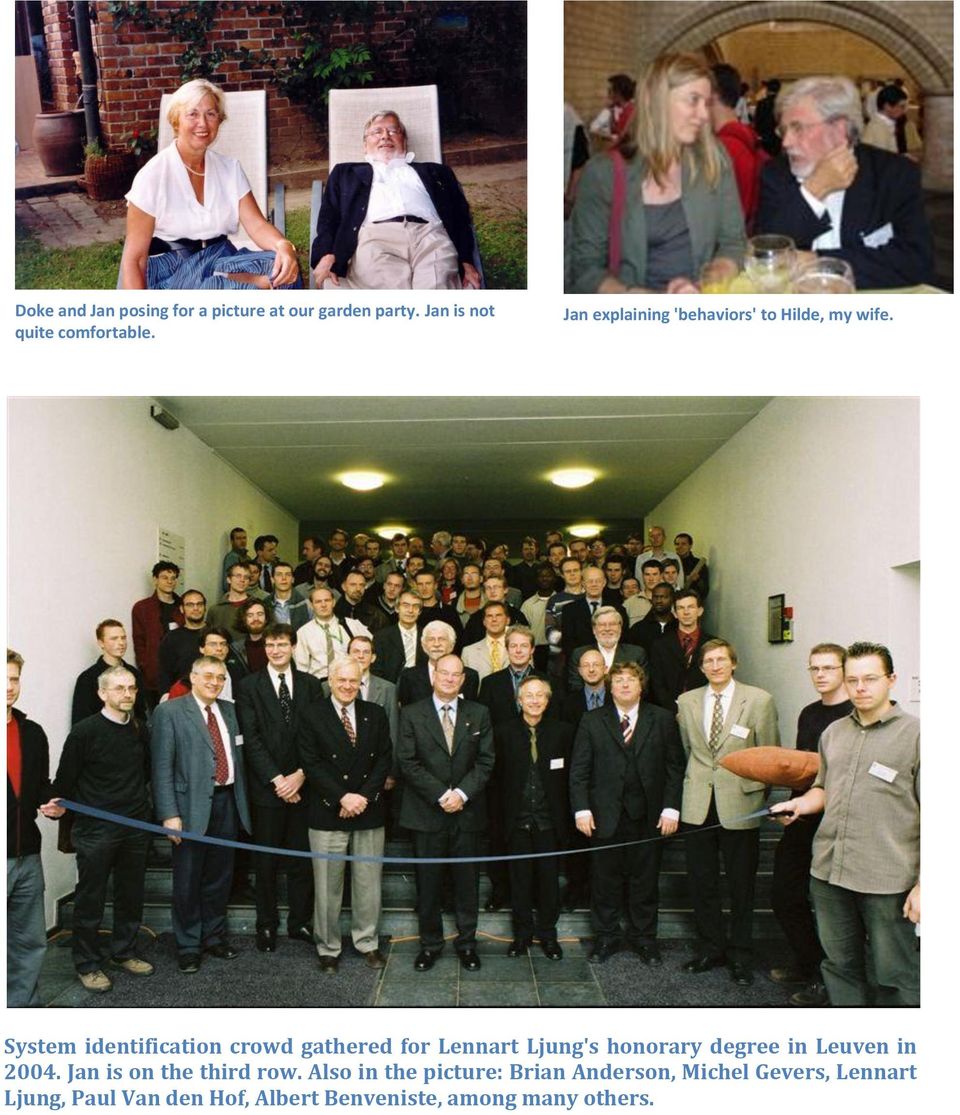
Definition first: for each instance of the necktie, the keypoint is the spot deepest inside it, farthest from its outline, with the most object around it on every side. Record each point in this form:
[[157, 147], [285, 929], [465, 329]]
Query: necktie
[[533, 743], [594, 604], [348, 726], [594, 700], [329, 641], [626, 729], [220, 769], [286, 704], [495, 655], [716, 722], [446, 722]]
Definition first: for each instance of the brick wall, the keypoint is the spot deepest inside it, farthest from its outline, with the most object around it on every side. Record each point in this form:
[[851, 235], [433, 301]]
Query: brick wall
[[61, 43]]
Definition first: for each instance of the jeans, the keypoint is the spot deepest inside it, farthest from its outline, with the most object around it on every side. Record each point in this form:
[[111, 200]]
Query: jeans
[[26, 931]]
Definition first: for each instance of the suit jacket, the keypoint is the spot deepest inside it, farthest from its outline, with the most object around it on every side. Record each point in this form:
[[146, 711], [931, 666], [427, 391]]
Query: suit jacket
[[670, 672], [574, 706], [477, 657], [751, 722], [554, 746], [429, 769], [474, 631], [347, 196], [23, 836], [599, 765], [624, 653], [335, 767], [383, 693], [183, 763], [270, 743], [576, 621], [391, 659], [415, 685], [885, 195], [372, 617]]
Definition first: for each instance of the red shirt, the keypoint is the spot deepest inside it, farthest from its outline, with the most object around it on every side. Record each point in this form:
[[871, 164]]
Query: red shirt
[[14, 755]]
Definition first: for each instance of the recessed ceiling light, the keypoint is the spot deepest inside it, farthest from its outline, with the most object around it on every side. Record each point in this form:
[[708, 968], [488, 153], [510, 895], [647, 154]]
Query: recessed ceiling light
[[573, 477], [362, 481], [389, 531], [585, 530]]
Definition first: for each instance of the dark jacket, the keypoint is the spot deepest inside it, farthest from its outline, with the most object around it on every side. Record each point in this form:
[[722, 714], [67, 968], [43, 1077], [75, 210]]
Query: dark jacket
[[335, 767], [391, 659], [347, 196], [554, 746], [86, 697], [414, 684], [576, 620], [670, 673], [496, 693], [23, 836]]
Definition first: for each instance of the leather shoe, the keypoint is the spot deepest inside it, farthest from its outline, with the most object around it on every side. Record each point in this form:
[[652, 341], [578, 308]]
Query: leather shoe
[[551, 949], [702, 963], [189, 963], [602, 953], [519, 947], [329, 963], [469, 961], [266, 940], [426, 958], [741, 975], [649, 955], [302, 933], [375, 959], [222, 951], [789, 974], [813, 995]]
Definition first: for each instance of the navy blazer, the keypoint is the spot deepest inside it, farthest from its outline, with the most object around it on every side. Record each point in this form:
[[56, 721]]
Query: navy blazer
[[347, 196]]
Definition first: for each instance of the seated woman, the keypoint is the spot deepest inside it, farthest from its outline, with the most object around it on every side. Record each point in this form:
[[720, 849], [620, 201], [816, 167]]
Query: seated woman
[[651, 214], [186, 201]]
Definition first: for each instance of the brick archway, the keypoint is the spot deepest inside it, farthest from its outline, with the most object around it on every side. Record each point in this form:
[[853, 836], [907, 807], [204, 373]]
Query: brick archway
[[700, 23]]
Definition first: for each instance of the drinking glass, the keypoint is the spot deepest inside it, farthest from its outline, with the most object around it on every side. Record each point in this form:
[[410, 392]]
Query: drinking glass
[[825, 275], [770, 262]]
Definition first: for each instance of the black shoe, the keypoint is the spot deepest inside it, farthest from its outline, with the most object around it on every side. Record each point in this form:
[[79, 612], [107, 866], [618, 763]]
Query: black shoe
[[266, 940], [222, 951], [189, 963], [329, 963], [741, 974], [469, 961], [496, 901], [551, 948], [602, 953], [649, 955], [426, 958], [813, 995], [703, 963], [520, 947], [302, 933]]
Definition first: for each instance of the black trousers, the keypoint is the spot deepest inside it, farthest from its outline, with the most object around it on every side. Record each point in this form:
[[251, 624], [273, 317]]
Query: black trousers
[[497, 871], [283, 826], [790, 893], [534, 882], [201, 879], [625, 883], [740, 849], [104, 848], [451, 841]]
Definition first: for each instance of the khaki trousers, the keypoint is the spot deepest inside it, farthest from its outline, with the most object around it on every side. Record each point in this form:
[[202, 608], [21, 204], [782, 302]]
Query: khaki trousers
[[365, 882], [397, 255]]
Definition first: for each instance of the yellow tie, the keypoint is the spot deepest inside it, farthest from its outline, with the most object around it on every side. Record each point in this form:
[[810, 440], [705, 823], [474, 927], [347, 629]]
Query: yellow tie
[[495, 655]]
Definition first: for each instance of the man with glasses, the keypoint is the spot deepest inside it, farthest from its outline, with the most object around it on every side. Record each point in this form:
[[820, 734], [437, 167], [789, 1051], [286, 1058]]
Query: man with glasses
[[839, 197], [179, 646], [791, 865], [389, 223], [865, 874]]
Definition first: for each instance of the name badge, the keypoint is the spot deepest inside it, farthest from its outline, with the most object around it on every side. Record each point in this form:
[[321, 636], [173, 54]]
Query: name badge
[[878, 770], [238, 740], [172, 626], [740, 732], [879, 237], [556, 764]]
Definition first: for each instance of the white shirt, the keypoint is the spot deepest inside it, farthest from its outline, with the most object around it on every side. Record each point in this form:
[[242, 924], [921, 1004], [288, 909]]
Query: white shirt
[[224, 733], [726, 700], [162, 189], [398, 191], [609, 653], [274, 676], [310, 653], [351, 712], [832, 205]]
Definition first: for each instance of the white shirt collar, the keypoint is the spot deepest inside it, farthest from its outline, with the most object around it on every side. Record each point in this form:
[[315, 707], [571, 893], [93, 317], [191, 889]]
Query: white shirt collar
[[398, 160]]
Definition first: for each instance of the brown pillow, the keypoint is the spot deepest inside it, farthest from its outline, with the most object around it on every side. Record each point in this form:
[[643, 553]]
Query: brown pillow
[[777, 766]]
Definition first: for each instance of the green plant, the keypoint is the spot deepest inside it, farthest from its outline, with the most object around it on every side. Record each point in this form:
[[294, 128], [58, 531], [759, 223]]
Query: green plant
[[141, 142], [94, 150]]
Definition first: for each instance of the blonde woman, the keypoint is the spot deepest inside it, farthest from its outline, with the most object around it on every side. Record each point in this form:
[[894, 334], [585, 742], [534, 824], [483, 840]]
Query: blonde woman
[[649, 216], [186, 201]]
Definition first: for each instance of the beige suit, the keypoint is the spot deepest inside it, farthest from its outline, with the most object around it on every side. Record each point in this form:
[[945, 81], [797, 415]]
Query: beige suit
[[751, 710], [477, 657]]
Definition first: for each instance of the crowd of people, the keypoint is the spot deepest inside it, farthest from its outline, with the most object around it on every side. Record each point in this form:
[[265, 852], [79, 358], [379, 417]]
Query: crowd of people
[[562, 715], [684, 172]]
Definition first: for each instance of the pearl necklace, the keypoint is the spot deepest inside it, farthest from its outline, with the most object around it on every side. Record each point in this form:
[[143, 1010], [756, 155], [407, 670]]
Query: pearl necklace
[[189, 169]]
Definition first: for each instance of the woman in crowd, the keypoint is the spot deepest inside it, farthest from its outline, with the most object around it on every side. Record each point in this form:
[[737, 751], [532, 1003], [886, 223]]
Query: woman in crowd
[[448, 580], [186, 201], [649, 215]]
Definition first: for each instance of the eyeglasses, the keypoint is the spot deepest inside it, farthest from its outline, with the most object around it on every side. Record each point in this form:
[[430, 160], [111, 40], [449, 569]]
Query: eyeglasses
[[379, 133]]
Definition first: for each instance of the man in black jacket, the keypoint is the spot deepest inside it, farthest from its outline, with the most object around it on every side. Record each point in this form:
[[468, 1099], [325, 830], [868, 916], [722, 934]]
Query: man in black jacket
[[270, 704], [111, 638], [389, 223], [626, 782], [675, 658], [28, 787]]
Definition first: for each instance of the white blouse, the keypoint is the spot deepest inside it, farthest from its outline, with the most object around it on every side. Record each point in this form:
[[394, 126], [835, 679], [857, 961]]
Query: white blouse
[[162, 189]]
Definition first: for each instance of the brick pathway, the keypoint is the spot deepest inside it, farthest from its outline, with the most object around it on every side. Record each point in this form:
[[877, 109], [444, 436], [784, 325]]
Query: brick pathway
[[68, 221]]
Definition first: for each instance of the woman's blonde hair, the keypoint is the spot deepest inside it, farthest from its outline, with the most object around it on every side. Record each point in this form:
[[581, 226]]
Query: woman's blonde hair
[[192, 93], [654, 139]]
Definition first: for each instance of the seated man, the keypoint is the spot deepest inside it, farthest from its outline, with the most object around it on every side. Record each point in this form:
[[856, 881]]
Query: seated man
[[840, 197], [389, 223]]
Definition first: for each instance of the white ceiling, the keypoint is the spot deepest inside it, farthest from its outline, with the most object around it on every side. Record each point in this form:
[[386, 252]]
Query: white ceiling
[[465, 458]]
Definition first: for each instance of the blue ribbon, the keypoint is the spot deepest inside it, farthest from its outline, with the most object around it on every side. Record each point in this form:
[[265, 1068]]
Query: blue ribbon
[[202, 838]]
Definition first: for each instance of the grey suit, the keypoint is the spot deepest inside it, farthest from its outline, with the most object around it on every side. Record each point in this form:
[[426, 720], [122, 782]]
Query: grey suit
[[183, 786]]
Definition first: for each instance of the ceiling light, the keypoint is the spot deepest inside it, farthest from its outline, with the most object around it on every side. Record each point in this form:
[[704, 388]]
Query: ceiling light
[[389, 531], [573, 477], [362, 481], [585, 530]]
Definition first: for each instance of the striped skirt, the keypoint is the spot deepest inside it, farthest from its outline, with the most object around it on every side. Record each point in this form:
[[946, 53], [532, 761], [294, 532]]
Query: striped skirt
[[210, 269]]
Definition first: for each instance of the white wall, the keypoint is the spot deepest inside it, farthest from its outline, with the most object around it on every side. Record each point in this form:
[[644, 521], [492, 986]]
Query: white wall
[[90, 481], [817, 498]]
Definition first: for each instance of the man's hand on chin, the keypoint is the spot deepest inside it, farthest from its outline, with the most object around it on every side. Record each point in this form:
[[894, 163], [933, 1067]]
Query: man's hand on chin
[[471, 277], [833, 172]]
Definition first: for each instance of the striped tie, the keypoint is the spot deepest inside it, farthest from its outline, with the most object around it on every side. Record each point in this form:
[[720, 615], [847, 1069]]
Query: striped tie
[[626, 729], [348, 726], [716, 722]]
